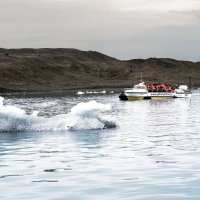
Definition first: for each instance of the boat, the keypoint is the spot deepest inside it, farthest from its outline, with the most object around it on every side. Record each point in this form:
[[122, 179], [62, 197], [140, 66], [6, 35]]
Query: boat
[[143, 91]]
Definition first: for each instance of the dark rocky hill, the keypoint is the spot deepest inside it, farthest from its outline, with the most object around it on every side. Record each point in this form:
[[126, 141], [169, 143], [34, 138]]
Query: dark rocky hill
[[55, 69]]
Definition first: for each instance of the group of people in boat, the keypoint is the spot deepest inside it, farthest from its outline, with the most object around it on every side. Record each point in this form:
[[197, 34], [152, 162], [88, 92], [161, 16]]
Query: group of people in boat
[[160, 88]]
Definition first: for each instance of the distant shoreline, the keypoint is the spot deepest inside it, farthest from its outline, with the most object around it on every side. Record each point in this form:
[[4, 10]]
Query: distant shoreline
[[61, 91]]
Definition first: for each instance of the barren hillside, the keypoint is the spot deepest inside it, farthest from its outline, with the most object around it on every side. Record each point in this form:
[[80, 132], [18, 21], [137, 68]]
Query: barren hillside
[[54, 69]]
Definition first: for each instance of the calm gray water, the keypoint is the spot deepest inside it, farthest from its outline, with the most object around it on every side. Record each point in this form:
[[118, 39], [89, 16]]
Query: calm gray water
[[153, 153]]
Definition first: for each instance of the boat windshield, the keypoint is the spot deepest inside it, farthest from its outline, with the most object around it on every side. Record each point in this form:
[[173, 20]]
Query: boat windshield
[[139, 87]]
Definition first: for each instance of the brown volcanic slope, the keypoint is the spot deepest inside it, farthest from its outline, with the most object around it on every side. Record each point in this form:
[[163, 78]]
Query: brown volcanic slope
[[53, 69]]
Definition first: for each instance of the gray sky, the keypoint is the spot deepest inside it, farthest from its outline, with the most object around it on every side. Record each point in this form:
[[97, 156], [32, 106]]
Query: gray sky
[[123, 29]]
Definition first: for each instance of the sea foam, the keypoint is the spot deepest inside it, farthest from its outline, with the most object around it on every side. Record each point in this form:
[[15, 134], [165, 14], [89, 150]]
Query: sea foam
[[83, 116]]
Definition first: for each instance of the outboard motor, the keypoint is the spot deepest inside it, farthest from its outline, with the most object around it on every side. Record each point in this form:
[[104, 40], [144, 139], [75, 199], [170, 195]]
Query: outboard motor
[[123, 97]]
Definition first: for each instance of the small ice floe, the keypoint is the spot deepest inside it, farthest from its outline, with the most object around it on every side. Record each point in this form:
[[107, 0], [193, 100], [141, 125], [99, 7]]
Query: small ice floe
[[89, 92], [80, 92], [111, 92], [103, 92]]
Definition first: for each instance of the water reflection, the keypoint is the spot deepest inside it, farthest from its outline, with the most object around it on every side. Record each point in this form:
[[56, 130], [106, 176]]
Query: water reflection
[[87, 138]]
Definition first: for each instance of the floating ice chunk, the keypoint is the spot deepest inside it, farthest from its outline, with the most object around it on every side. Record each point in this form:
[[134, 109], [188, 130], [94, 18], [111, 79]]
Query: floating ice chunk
[[89, 115], [80, 92], [103, 92], [89, 92]]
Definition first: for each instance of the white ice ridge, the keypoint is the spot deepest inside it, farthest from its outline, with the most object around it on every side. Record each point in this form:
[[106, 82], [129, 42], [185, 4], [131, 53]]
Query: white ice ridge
[[89, 115]]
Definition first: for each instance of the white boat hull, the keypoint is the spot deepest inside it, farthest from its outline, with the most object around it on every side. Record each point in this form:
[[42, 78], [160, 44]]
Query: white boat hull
[[183, 95], [149, 95]]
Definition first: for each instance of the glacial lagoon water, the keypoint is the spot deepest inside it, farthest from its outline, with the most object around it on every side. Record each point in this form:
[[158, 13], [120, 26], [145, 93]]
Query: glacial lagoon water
[[60, 147]]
